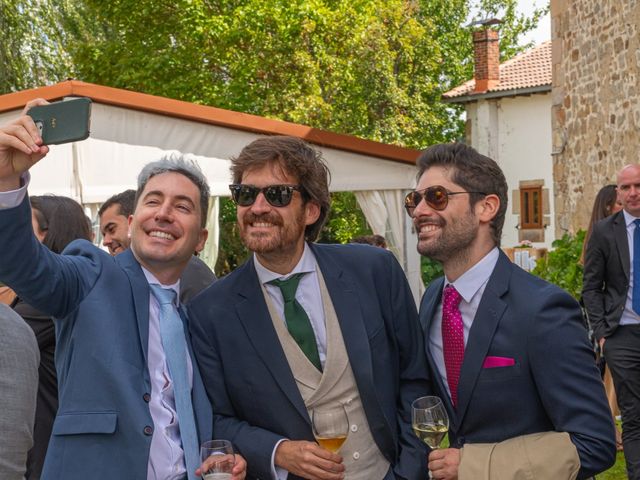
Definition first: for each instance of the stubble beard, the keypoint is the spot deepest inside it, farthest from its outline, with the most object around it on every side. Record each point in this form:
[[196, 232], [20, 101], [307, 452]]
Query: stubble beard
[[454, 240]]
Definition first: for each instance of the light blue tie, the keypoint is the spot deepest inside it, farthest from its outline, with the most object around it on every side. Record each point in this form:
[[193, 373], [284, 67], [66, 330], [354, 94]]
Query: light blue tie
[[635, 295], [175, 351]]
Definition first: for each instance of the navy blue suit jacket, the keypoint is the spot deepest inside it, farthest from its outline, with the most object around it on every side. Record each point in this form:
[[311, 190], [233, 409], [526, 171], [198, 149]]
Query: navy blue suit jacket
[[554, 384], [100, 306], [254, 395]]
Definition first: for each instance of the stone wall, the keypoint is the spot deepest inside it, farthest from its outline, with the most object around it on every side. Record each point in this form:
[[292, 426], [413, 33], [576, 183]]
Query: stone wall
[[596, 101]]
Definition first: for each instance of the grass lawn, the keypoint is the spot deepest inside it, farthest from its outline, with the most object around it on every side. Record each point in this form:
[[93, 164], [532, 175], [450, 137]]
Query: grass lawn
[[617, 472]]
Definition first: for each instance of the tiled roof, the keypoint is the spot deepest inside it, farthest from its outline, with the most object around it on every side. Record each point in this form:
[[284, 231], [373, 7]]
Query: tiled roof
[[531, 68]]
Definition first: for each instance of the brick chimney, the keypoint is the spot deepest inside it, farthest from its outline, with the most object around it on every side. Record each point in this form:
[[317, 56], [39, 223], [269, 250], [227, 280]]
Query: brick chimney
[[486, 50]]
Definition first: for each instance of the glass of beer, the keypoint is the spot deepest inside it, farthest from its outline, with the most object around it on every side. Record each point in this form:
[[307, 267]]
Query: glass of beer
[[330, 427], [218, 460], [430, 421]]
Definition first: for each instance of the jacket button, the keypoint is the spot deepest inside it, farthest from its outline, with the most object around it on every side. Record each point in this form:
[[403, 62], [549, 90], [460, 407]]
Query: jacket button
[[146, 397], [148, 430]]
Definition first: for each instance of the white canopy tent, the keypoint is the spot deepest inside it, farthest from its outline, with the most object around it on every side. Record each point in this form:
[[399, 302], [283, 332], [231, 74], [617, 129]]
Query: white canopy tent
[[130, 129]]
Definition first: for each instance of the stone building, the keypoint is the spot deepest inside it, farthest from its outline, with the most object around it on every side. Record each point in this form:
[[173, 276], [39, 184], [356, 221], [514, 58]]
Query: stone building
[[596, 100]]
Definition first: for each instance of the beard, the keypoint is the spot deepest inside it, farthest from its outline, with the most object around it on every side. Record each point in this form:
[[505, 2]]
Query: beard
[[280, 239], [453, 241]]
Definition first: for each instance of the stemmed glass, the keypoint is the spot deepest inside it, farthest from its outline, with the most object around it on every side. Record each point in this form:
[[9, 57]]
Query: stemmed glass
[[330, 427], [430, 421], [218, 458]]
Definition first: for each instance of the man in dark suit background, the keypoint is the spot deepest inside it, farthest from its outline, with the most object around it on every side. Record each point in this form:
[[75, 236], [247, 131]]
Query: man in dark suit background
[[114, 216], [360, 348], [118, 414], [611, 277], [507, 350]]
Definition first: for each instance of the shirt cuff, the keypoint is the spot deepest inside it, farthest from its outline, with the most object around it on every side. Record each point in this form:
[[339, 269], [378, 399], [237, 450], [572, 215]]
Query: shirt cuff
[[277, 473], [13, 198]]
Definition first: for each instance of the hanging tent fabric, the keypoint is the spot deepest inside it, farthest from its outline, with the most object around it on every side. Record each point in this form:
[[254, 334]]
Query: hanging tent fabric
[[129, 129]]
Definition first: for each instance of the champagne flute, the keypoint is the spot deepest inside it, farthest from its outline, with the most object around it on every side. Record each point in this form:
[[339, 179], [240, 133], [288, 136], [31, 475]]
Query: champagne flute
[[218, 460], [330, 427], [430, 421]]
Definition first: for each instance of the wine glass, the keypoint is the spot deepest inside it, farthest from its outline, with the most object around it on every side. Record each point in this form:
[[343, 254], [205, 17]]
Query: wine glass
[[218, 460], [430, 421], [330, 427]]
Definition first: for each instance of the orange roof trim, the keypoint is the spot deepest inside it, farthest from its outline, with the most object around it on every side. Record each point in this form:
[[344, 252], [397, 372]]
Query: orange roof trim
[[211, 115]]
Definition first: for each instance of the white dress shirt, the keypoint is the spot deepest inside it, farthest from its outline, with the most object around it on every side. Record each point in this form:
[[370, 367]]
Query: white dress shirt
[[470, 286], [629, 317], [166, 458], [309, 296]]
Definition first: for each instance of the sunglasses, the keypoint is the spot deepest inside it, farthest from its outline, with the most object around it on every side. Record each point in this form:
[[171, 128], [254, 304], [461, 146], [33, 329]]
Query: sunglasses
[[276, 195], [437, 197]]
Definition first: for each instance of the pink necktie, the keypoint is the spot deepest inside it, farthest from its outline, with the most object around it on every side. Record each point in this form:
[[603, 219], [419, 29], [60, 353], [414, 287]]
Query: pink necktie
[[452, 339]]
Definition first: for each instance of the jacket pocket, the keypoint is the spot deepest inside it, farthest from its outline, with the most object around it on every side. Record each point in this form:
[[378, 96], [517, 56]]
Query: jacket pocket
[[78, 423]]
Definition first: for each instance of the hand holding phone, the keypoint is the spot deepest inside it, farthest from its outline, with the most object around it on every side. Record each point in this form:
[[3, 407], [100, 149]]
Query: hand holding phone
[[63, 122]]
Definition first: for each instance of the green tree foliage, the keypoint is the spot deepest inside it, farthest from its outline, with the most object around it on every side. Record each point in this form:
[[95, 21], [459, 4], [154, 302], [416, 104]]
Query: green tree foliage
[[371, 68], [562, 266], [31, 49]]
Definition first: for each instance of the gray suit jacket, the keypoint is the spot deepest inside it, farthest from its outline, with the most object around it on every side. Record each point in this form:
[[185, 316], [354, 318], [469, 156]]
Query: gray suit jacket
[[19, 359]]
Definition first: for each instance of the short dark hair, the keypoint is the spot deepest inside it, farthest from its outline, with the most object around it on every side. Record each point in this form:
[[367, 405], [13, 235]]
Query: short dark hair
[[297, 158], [177, 163], [473, 172], [125, 200], [61, 219]]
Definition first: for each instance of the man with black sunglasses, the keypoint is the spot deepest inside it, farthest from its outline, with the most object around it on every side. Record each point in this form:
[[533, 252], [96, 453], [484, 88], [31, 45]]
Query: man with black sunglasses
[[303, 327], [507, 351]]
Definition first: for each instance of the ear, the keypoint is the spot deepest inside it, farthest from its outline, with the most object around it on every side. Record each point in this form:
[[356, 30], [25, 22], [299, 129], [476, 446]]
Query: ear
[[129, 221], [487, 208], [202, 238], [312, 212]]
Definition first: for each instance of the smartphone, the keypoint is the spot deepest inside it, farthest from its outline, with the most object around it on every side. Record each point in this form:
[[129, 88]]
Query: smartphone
[[63, 122]]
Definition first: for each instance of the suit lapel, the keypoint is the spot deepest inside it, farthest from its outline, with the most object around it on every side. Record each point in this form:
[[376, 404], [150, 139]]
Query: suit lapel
[[349, 312], [253, 314], [620, 235], [140, 290], [484, 325]]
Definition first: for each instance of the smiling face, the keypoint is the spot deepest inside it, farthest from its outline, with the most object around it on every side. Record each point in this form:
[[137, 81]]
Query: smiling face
[[165, 227], [275, 234], [447, 233], [115, 230]]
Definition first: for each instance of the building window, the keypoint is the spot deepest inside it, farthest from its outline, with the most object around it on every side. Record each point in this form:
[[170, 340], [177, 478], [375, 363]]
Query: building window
[[531, 207]]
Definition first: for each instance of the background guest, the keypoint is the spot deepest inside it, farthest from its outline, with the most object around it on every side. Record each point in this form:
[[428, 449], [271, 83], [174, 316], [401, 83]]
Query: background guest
[[18, 386]]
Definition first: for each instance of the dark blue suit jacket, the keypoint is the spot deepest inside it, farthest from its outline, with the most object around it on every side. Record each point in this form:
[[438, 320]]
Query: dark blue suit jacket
[[554, 384], [246, 374], [100, 306]]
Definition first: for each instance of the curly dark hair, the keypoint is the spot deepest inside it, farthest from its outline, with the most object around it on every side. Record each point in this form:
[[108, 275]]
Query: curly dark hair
[[296, 158]]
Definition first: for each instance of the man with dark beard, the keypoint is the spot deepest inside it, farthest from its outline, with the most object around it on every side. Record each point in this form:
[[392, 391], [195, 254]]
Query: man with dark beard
[[303, 327], [507, 351]]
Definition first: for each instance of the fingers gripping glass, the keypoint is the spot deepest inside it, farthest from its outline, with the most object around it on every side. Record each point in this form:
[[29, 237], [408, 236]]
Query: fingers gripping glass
[[437, 197], [276, 195]]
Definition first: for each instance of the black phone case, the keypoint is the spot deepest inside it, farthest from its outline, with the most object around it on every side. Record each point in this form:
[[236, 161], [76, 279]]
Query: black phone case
[[63, 122]]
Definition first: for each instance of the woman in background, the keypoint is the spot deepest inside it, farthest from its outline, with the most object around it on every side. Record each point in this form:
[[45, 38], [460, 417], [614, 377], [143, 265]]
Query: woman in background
[[605, 204], [57, 221]]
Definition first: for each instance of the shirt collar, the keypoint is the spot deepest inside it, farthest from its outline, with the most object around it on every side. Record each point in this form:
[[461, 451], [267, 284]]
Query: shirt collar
[[470, 281], [628, 218], [152, 280], [306, 264]]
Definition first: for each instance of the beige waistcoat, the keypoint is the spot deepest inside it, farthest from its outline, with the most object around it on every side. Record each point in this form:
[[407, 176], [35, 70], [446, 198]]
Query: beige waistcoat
[[335, 385]]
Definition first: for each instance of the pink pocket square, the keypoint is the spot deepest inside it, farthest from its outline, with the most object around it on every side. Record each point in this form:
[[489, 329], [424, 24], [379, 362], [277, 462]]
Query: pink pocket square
[[494, 362]]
